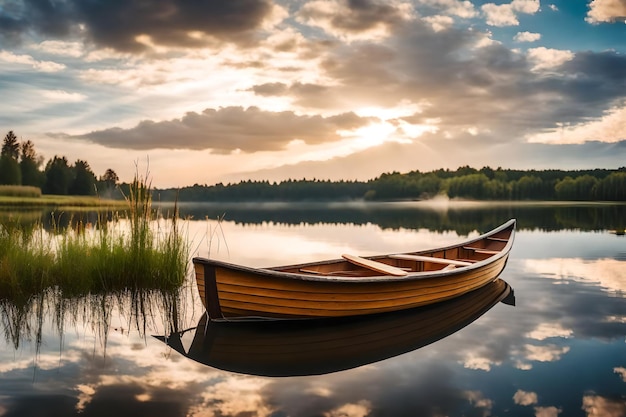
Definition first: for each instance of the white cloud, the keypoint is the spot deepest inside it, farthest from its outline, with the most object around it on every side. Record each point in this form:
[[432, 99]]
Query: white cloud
[[546, 353], [43, 66], [608, 11], [609, 128], [360, 409], [62, 96], [553, 7], [525, 398], [597, 406], [525, 6], [506, 14], [477, 399], [621, 372], [62, 48], [479, 363], [547, 411], [499, 15], [527, 37], [608, 273], [545, 58], [439, 22], [547, 330]]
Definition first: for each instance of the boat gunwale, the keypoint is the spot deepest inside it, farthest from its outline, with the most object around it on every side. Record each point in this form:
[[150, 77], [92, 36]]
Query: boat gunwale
[[275, 272]]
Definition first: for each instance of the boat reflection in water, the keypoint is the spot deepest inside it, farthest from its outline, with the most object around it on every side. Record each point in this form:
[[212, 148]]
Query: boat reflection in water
[[316, 347]]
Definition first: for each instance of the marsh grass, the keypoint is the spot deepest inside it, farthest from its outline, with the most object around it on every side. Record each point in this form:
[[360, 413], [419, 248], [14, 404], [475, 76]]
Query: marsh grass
[[138, 249], [20, 191]]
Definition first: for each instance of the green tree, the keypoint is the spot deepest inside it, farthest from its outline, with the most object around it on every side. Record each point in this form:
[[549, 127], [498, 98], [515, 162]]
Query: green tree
[[10, 146], [83, 179], [30, 163], [611, 188], [110, 178], [528, 187], [9, 171], [58, 176]]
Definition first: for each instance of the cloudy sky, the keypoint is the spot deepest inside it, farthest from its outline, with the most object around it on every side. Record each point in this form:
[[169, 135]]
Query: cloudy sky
[[218, 91]]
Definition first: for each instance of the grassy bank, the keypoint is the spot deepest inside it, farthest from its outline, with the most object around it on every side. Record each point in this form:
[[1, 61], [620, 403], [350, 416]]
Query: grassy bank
[[134, 250], [59, 201]]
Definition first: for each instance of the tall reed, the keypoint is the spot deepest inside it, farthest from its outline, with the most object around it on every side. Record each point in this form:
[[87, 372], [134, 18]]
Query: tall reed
[[137, 249]]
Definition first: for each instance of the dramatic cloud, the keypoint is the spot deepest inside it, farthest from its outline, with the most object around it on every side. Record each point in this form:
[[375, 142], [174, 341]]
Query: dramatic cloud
[[126, 26], [229, 129], [354, 19], [299, 64], [612, 11]]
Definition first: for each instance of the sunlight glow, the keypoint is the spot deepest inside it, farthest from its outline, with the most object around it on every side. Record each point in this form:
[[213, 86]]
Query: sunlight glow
[[371, 135]]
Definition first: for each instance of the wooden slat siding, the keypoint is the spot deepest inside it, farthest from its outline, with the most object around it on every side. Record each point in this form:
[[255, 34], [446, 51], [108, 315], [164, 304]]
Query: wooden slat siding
[[199, 269], [312, 290], [242, 304], [238, 286], [211, 298], [384, 293], [286, 298]]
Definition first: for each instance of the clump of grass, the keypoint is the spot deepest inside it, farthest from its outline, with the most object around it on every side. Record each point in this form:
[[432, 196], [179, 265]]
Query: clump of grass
[[20, 191], [138, 250]]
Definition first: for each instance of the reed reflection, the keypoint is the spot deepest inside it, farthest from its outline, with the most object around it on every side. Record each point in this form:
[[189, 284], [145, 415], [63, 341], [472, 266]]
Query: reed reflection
[[26, 320], [321, 346]]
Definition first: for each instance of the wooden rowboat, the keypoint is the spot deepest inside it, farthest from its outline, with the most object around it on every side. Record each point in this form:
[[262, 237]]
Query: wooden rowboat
[[353, 285], [315, 347]]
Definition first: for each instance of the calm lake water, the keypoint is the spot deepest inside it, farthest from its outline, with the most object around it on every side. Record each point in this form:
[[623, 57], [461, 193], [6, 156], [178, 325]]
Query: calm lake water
[[559, 351]]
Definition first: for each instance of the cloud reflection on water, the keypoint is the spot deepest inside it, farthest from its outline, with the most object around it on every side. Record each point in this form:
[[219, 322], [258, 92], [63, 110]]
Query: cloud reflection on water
[[567, 330]]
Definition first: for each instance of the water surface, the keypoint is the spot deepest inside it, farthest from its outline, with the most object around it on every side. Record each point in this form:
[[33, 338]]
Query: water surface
[[559, 351]]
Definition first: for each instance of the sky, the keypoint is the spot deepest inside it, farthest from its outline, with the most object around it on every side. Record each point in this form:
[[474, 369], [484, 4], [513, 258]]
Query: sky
[[205, 92]]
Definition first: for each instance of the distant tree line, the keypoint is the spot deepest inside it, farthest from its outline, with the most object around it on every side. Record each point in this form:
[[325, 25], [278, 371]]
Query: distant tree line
[[465, 183], [21, 165]]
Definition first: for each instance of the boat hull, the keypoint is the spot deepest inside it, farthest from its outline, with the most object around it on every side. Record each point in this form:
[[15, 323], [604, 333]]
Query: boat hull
[[315, 347], [232, 292]]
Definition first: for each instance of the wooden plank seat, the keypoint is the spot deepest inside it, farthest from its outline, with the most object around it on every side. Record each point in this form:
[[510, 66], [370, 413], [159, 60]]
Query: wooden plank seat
[[374, 265], [422, 258], [482, 250]]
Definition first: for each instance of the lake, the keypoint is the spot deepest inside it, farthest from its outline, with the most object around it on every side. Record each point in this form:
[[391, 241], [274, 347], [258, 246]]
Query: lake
[[555, 346]]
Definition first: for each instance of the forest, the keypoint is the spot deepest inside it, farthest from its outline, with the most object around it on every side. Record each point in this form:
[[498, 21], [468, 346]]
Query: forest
[[20, 165], [463, 183]]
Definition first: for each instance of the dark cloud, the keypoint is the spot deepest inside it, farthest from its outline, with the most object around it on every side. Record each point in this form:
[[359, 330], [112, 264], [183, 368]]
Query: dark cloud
[[365, 14], [304, 94], [270, 89], [117, 23], [228, 129], [356, 15]]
